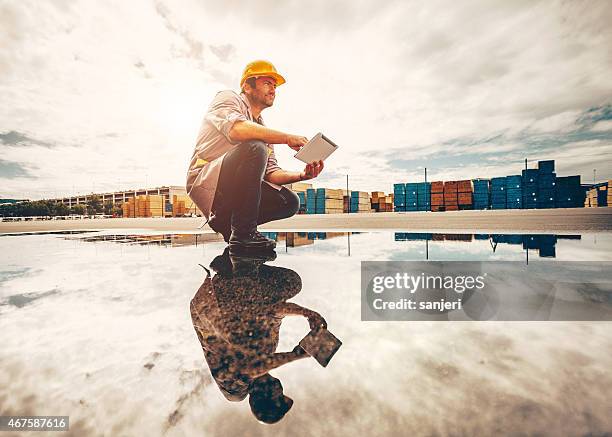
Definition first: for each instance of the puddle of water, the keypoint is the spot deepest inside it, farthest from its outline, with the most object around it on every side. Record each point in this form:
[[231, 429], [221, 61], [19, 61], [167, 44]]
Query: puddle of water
[[125, 333]]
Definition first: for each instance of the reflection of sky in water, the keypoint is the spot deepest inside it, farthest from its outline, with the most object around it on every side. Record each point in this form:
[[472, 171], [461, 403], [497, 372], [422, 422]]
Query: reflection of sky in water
[[101, 331]]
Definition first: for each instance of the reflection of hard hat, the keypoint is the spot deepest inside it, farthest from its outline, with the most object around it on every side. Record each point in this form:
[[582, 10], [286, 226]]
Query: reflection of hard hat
[[261, 68]]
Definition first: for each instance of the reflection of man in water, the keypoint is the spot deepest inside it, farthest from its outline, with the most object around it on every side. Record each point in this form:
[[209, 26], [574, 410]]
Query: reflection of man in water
[[237, 316]]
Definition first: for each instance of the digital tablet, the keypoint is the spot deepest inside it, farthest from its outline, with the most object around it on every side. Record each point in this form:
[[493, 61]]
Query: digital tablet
[[321, 345], [317, 149]]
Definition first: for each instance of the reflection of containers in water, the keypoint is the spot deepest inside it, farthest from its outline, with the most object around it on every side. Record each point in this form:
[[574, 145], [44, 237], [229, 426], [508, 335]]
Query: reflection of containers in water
[[411, 236], [271, 235], [536, 241], [296, 239], [507, 238], [547, 251], [458, 237]]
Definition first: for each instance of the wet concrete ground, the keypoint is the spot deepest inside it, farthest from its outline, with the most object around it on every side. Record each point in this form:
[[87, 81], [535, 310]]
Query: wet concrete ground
[[123, 333], [493, 221]]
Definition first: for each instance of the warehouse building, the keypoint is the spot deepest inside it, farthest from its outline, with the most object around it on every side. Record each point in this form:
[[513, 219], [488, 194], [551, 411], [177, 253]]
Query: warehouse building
[[169, 195]]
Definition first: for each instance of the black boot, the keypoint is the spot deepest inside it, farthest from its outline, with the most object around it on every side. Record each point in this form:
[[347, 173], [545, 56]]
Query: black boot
[[221, 227], [250, 241], [248, 263]]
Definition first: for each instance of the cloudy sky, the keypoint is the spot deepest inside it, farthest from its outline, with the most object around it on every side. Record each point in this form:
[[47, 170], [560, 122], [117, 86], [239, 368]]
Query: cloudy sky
[[107, 95]]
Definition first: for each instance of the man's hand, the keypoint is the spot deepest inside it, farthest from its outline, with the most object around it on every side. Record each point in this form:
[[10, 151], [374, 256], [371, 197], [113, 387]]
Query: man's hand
[[315, 320], [299, 351], [296, 142], [312, 170]]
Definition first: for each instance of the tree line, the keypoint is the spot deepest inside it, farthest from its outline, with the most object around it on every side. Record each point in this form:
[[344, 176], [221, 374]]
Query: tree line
[[41, 208]]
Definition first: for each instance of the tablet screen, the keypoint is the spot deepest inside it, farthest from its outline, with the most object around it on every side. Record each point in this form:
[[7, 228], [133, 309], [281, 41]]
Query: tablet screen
[[317, 149]]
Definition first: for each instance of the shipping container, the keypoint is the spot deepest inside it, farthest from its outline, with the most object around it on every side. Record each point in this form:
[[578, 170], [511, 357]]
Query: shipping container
[[546, 166]]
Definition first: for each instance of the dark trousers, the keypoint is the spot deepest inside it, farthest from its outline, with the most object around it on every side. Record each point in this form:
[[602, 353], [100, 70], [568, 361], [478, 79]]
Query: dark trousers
[[243, 200]]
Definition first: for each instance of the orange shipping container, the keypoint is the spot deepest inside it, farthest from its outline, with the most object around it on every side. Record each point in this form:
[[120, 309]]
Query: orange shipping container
[[437, 199], [437, 187], [464, 186], [450, 187]]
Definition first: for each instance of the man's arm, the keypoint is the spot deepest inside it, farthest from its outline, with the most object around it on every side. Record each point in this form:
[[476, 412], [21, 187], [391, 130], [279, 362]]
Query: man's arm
[[315, 320], [266, 363], [282, 177], [245, 130]]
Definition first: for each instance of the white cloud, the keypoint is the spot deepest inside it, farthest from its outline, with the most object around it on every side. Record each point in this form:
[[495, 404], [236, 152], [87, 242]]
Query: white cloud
[[602, 126], [559, 123], [128, 82]]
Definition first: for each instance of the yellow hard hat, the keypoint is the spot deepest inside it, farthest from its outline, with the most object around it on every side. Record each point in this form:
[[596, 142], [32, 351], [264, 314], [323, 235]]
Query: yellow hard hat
[[261, 68]]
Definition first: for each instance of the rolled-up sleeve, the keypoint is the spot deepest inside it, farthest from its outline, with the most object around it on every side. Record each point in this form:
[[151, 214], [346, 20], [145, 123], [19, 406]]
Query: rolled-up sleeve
[[272, 164], [224, 111]]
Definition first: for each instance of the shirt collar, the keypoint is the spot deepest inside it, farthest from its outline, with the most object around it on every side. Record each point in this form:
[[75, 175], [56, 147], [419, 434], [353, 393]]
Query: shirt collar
[[248, 105]]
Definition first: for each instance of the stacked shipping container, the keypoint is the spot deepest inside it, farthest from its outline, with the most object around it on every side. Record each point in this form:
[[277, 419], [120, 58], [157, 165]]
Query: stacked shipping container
[[498, 193], [300, 188], [535, 188], [399, 197], [464, 194], [546, 184], [530, 188], [451, 201], [144, 206], [481, 194], [360, 201], [380, 202], [596, 197], [569, 192], [437, 196], [311, 201], [424, 196], [514, 192], [329, 201], [411, 196]]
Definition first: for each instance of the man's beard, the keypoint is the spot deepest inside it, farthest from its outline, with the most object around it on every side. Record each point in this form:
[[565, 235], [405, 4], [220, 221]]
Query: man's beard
[[266, 101]]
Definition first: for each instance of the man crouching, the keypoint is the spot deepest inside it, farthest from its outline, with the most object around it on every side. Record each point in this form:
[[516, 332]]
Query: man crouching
[[233, 176]]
